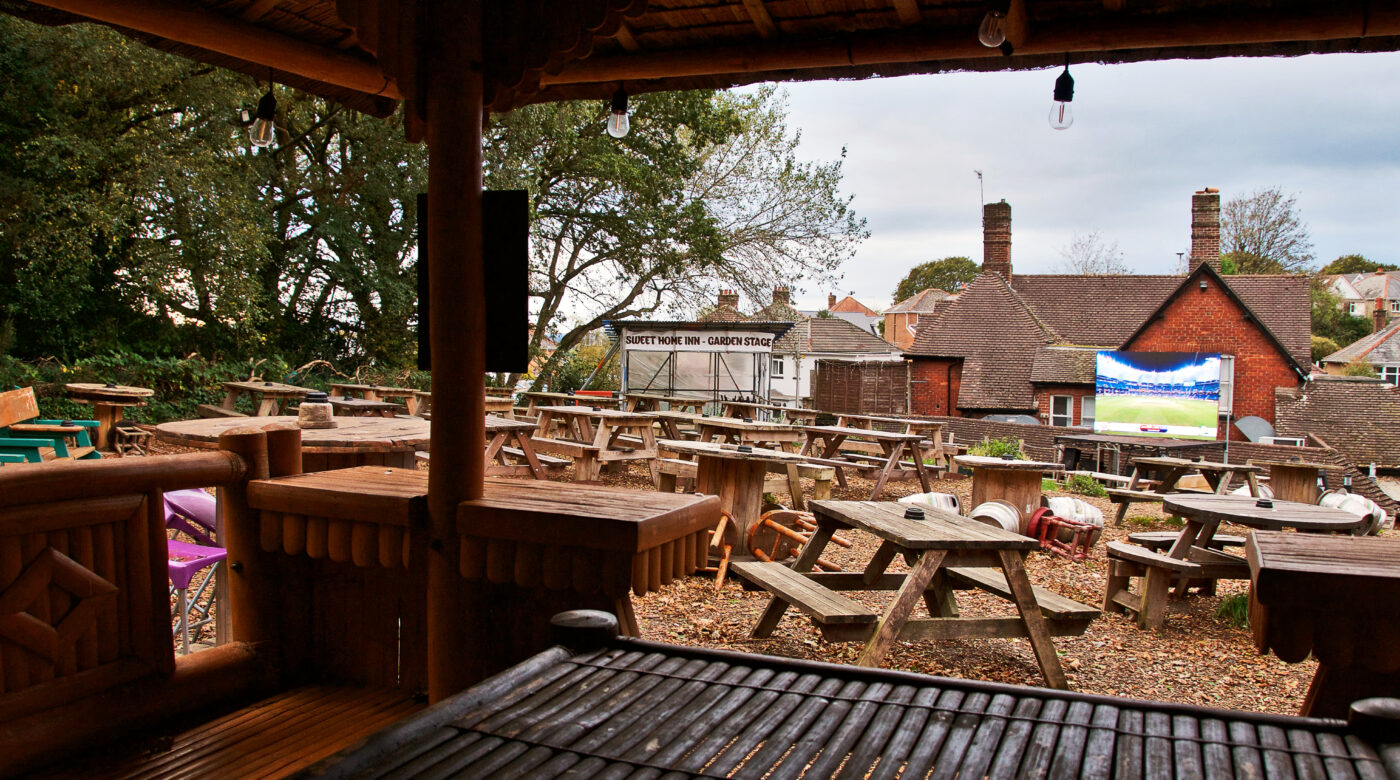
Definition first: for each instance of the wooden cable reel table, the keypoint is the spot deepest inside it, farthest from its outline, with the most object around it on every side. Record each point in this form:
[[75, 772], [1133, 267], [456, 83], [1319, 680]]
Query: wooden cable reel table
[[107, 401]]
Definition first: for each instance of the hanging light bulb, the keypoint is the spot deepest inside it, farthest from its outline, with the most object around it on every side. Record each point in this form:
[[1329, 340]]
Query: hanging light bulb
[[1061, 117], [992, 32], [618, 125], [262, 132]]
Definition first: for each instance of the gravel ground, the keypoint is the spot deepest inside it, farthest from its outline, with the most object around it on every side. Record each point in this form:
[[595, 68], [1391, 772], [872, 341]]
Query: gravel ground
[[1195, 658]]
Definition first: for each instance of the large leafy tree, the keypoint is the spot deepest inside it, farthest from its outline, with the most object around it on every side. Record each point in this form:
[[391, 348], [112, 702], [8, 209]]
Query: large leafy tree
[[1355, 264], [1330, 319], [949, 274], [1264, 233], [706, 190]]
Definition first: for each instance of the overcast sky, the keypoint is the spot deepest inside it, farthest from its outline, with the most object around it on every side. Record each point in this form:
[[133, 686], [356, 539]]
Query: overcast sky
[[1145, 137]]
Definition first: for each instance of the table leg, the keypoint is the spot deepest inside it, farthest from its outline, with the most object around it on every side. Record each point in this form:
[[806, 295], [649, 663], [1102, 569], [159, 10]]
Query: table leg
[[1252, 479], [1036, 630], [909, 594], [523, 442], [267, 407], [107, 418], [811, 551], [892, 453], [939, 598], [795, 488], [1122, 510]]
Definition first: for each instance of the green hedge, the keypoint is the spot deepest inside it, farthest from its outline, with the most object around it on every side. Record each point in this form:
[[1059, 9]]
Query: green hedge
[[180, 384]]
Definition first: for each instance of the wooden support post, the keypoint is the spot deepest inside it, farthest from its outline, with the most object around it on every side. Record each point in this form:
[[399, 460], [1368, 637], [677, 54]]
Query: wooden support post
[[451, 64], [253, 586]]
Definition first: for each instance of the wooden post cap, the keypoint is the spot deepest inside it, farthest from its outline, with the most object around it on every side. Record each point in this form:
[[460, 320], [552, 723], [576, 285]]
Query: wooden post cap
[[583, 629], [1376, 720]]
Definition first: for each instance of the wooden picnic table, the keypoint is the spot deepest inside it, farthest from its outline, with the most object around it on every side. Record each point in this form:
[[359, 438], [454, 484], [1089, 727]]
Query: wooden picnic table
[[510, 451], [739, 479], [536, 399], [1017, 482], [670, 421], [1332, 598], [345, 406], [651, 402], [931, 431], [108, 402], [752, 432], [1170, 471], [270, 398], [892, 445], [1194, 558], [946, 551], [1293, 480], [790, 414], [355, 441], [407, 395], [589, 435]]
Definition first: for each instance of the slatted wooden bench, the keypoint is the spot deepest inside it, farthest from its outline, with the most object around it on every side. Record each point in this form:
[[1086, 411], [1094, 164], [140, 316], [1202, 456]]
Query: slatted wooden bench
[[554, 466], [1064, 616], [1126, 496], [214, 411], [826, 607], [1101, 477], [1157, 570], [1157, 541], [35, 440]]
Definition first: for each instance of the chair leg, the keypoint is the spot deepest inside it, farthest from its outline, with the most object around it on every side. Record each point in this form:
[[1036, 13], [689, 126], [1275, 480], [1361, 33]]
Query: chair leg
[[183, 604], [1155, 583]]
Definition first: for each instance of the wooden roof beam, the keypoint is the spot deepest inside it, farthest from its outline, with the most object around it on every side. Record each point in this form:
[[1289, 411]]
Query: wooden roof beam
[[195, 26], [766, 27], [907, 11], [625, 39], [1116, 33]]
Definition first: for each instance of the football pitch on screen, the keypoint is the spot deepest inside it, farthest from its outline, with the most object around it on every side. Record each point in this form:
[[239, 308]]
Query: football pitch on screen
[[1144, 410]]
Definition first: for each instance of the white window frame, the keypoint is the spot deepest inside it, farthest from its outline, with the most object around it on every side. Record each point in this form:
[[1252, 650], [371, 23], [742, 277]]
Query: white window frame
[[1390, 374], [1227, 384], [1068, 416], [1087, 408], [779, 366], [1395, 306]]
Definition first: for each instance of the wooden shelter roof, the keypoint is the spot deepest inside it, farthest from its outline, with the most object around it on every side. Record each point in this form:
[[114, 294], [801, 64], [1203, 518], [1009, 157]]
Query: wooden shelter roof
[[354, 51]]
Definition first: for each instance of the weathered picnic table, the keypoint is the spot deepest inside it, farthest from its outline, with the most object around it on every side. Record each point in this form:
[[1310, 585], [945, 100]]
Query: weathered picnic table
[[752, 432], [830, 438], [755, 409], [346, 406], [269, 398], [947, 552], [932, 445], [355, 441], [1332, 598], [651, 402], [1169, 472], [407, 395], [1193, 557], [535, 399], [589, 435], [108, 402]]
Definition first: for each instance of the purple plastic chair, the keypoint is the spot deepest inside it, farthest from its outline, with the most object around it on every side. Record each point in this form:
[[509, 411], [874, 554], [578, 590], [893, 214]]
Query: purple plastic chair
[[193, 512]]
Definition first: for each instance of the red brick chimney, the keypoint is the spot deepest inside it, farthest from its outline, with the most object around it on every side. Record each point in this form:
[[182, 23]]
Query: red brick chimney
[[1378, 315], [1205, 228], [830, 301], [996, 239], [781, 295], [729, 297]]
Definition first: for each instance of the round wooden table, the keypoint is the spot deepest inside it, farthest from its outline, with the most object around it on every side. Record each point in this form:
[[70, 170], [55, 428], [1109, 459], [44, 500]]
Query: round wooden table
[[107, 401], [1210, 510], [1016, 482], [355, 441]]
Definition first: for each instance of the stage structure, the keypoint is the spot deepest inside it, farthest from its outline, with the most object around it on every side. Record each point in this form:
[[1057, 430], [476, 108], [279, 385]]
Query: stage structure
[[689, 359]]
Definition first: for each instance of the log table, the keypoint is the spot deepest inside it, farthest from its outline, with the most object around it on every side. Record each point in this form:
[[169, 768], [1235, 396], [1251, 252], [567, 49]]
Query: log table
[[1169, 471], [269, 398], [590, 435], [1331, 597], [942, 547], [355, 441], [108, 402], [830, 438], [1293, 480], [1017, 482]]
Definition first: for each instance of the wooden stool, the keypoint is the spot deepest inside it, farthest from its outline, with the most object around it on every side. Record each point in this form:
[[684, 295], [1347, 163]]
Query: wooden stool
[[129, 440]]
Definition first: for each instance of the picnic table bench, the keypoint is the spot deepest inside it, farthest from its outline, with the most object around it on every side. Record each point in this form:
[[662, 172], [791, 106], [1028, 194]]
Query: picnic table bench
[[790, 414], [942, 547], [345, 406], [269, 398], [406, 395], [1170, 471], [747, 431], [830, 438], [590, 436], [537, 398], [651, 402]]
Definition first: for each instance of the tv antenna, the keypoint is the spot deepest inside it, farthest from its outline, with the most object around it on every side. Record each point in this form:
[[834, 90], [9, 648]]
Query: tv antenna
[[981, 196]]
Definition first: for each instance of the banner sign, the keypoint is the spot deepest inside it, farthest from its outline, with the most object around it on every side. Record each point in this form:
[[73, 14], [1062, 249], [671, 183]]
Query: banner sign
[[1174, 394], [697, 340]]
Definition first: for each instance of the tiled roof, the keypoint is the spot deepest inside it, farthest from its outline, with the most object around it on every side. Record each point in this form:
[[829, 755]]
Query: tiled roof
[[923, 302], [1357, 416], [1380, 348], [997, 334], [723, 313], [1284, 306], [1377, 285], [831, 335], [1094, 310], [1064, 365], [852, 305]]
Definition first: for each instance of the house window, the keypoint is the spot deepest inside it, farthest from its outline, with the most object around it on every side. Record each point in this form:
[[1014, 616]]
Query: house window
[[1062, 410], [1395, 306], [1356, 309], [1086, 412], [778, 367], [1391, 374], [1227, 384]]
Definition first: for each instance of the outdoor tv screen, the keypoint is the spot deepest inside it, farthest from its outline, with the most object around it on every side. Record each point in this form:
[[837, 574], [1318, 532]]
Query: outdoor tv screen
[[1174, 394]]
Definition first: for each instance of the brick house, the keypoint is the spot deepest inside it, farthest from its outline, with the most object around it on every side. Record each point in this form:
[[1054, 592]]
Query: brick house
[[1381, 350], [795, 354], [1026, 344], [902, 319]]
